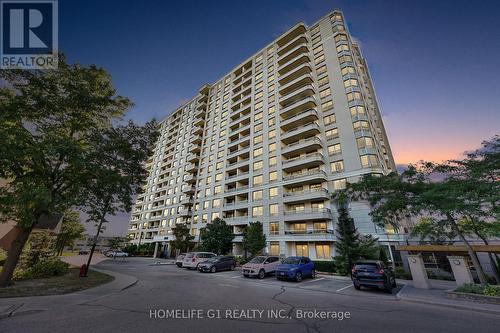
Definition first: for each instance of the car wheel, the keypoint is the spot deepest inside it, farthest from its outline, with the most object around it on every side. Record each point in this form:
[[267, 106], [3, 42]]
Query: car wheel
[[313, 274], [356, 284], [232, 267], [298, 276], [262, 274], [212, 269]]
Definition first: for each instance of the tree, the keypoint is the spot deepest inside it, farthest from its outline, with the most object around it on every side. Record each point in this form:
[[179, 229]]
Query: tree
[[428, 229], [115, 242], [71, 230], [119, 156], [47, 122], [350, 246], [446, 193], [217, 237], [254, 239], [183, 239], [383, 256]]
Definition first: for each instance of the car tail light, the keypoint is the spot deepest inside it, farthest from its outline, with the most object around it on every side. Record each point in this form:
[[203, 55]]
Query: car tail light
[[193, 260], [353, 271], [380, 271]]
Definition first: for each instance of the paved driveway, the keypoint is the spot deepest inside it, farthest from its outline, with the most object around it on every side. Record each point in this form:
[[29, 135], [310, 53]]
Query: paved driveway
[[169, 299]]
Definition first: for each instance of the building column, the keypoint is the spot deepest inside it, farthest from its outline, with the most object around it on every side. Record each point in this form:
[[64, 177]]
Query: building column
[[156, 250], [418, 272], [461, 271]]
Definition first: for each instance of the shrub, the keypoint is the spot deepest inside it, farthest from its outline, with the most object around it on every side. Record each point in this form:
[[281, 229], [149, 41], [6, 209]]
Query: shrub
[[241, 260], [490, 290], [402, 274], [470, 288], [22, 274], [324, 266], [435, 276], [49, 267]]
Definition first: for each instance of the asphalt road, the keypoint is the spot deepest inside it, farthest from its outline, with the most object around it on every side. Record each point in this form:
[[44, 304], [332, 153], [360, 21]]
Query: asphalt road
[[169, 299]]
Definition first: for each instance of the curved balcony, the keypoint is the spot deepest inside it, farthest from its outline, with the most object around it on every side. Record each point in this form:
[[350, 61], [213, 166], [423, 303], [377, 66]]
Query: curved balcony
[[297, 95], [301, 162], [306, 195], [297, 133], [293, 53], [308, 214], [193, 157], [297, 107], [299, 119], [186, 212], [298, 40], [304, 68], [305, 178], [294, 62], [188, 189], [288, 36], [301, 146], [190, 179], [300, 81], [190, 167]]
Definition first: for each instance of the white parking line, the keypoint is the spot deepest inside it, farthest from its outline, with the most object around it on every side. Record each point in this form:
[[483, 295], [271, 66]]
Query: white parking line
[[235, 277], [314, 280], [349, 286]]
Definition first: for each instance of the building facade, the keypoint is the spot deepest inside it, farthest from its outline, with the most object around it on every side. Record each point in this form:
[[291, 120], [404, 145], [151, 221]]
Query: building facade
[[270, 142]]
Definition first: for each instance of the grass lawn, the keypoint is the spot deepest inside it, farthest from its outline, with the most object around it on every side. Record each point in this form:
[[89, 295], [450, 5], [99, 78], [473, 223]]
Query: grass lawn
[[56, 285]]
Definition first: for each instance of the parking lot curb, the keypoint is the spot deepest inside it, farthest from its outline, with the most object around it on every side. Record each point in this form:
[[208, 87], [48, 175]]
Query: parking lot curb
[[454, 305]]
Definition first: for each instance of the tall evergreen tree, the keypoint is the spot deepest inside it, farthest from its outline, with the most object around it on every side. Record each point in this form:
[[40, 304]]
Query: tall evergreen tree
[[350, 246]]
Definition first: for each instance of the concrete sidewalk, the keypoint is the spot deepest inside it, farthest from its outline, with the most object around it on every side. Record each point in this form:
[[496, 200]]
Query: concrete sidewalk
[[25, 305], [437, 296]]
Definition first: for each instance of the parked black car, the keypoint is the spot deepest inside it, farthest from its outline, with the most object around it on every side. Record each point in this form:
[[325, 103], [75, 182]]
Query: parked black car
[[215, 264], [373, 273]]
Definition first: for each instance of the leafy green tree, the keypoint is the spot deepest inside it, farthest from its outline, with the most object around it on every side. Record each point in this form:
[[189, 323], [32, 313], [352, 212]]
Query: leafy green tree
[[119, 155], [115, 242], [217, 237], [48, 120], [71, 230], [183, 239], [434, 231], [350, 246], [447, 193], [254, 239]]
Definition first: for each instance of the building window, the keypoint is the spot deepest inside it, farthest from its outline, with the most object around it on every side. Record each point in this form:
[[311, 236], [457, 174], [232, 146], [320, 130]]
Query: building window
[[257, 180], [257, 139], [337, 166], [369, 161], [273, 192], [272, 161], [257, 152], [325, 92], [274, 248], [273, 176], [334, 149], [339, 184], [273, 209], [326, 105], [323, 251], [332, 133], [329, 119], [257, 165], [257, 211], [274, 228], [364, 142], [257, 195], [302, 250]]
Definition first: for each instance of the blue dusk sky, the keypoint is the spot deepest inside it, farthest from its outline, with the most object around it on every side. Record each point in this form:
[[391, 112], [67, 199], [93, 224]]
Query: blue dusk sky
[[435, 64]]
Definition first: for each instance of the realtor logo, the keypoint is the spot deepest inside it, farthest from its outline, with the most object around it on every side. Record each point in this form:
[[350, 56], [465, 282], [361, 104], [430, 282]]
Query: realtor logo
[[29, 34]]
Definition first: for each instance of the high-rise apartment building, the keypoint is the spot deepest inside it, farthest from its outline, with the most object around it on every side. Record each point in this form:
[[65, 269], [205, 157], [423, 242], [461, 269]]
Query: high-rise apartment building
[[271, 141]]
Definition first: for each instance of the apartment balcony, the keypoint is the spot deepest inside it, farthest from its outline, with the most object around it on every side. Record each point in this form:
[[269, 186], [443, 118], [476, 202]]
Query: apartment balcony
[[294, 74], [298, 106], [293, 53], [239, 129], [301, 162], [301, 80], [238, 152], [196, 140], [184, 212], [236, 189], [296, 95], [306, 195], [190, 179], [188, 189], [308, 214], [301, 146], [237, 177], [236, 205], [242, 85], [199, 121], [242, 97], [238, 220], [189, 201], [299, 119], [287, 37], [240, 140], [313, 235], [298, 40], [193, 157], [198, 130], [195, 148], [297, 133], [242, 118], [190, 167], [294, 62], [305, 178], [362, 132], [231, 166]]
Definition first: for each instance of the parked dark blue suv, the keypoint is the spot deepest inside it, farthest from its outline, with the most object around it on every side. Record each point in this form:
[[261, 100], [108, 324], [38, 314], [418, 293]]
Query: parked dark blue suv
[[373, 273], [295, 268]]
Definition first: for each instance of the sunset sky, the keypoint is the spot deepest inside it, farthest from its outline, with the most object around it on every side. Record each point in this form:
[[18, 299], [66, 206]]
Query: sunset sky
[[435, 64]]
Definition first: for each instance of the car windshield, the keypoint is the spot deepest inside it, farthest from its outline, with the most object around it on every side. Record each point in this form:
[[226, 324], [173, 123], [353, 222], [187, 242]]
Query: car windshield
[[366, 267], [292, 261], [189, 255], [213, 259], [257, 260]]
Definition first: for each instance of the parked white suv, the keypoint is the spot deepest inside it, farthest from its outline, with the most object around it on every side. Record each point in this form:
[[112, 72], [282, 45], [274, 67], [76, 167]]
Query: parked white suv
[[192, 259]]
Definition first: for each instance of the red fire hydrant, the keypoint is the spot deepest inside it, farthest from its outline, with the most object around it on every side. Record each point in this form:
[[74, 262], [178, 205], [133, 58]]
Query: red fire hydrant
[[83, 268]]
